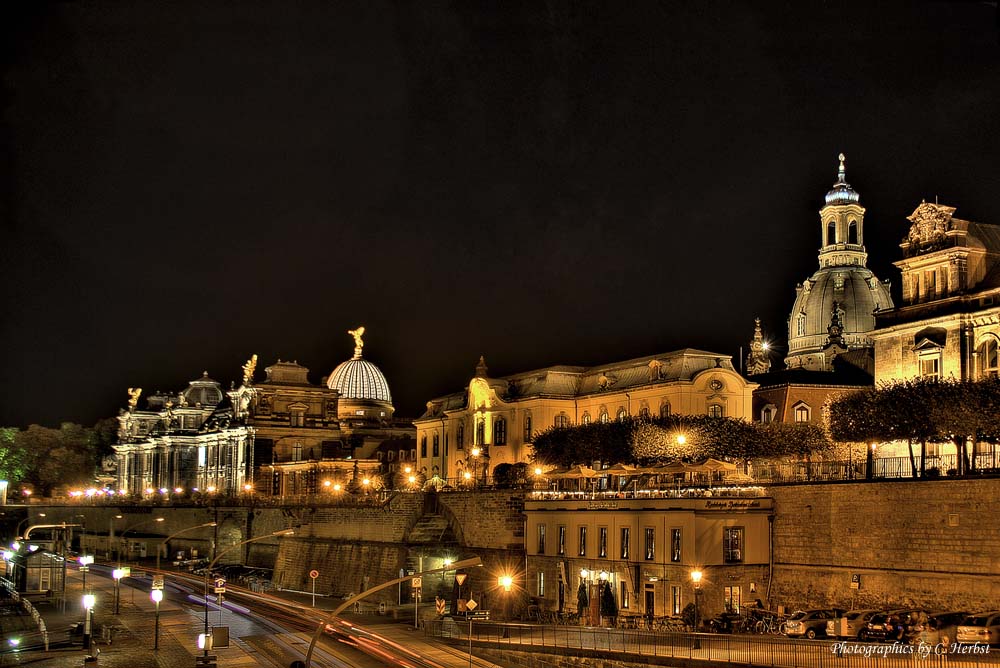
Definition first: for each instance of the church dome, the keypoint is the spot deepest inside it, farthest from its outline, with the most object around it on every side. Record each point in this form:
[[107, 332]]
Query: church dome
[[857, 294], [359, 379], [842, 192], [204, 391]]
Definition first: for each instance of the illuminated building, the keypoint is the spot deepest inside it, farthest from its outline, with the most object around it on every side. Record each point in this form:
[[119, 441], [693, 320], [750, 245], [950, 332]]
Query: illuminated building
[[493, 420]]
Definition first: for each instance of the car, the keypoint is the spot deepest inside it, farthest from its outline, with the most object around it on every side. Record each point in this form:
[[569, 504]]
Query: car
[[889, 625], [983, 627], [941, 627], [810, 623], [856, 620]]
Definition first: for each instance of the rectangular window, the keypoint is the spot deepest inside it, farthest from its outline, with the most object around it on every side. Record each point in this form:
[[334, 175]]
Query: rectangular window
[[675, 545], [650, 543], [602, 542], [436, 446], [624, 596], [930, 367], [626, 542], [423, 446], [732, 545], [541, 539], [527, 429], [734, 598], [562, 541], [675, 599], [583, 541], [541, 583]]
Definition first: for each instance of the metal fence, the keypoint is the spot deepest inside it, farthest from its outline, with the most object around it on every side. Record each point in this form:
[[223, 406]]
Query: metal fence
[[764, 472], [710, 648]]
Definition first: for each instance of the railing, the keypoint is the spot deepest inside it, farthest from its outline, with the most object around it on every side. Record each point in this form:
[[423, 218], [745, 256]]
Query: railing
[[883, 467], [711, 649]]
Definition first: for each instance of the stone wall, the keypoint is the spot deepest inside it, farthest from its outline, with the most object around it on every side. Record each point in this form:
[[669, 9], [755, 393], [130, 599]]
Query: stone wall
[[492, 520], [931, 543]]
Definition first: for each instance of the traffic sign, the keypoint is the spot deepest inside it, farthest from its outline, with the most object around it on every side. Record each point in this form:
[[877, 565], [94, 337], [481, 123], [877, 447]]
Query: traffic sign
[[471, 605], [157, 582], [855, 581], [314, 574], [460, 578], [220, 585], [439, 604], [417, 583]]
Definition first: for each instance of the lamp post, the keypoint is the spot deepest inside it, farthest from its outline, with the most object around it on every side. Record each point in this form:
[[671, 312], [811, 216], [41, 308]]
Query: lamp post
[[475, 464], [505, 581], [85, 561], [696, 579], [88, 605], [119, 572], [208, 570], [157, 596]]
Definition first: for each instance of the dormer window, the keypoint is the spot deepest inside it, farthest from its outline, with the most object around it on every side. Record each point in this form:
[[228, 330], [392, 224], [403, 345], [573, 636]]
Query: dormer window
[[802, 412]]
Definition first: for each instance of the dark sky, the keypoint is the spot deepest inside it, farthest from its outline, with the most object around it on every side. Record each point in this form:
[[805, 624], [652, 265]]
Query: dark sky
[[187, 183]]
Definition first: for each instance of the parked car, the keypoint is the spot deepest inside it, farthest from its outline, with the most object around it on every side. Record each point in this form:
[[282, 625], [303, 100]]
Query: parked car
[[890, 625], [983, 627], [856, 620], [810, 623], [941, 627]]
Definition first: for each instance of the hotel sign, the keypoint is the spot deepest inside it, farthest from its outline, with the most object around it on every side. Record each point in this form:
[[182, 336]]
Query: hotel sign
[[732, 504]]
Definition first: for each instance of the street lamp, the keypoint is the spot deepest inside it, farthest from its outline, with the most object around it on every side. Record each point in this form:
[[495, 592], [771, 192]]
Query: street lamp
[[696, 579], [157, 596], [88, 604], [85, 561], [120, 572], [163, 543], [475, 463], [208, 571]]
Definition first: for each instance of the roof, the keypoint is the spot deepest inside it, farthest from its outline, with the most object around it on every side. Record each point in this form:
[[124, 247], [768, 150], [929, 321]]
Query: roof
[[846, 375]]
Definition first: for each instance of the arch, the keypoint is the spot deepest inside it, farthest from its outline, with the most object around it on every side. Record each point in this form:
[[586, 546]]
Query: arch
[[852, 232], [603, 416], [622, 414], [664, 409], [988, 354], [586, 418], [831, 233]]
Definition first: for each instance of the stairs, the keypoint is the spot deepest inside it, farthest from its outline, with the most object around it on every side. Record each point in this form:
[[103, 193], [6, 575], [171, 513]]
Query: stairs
[[431, 529]]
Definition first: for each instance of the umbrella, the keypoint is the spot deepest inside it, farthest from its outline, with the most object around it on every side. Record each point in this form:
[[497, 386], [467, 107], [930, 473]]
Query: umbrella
[[675, 467], [576, 472], [717, 465], [621, 469]]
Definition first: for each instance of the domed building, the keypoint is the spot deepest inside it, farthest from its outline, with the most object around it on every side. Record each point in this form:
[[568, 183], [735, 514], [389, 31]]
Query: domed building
[[363, 389], [834, 310]]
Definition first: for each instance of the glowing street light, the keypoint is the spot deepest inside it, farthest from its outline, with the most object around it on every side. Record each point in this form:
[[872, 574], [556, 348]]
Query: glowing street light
[[157, 596], [696, 579], [681, 439], [505, 581], [88, 604]]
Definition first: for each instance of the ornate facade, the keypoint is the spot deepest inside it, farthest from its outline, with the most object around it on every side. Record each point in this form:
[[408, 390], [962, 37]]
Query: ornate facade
[[494, 420], [948, 325], [834, 308]]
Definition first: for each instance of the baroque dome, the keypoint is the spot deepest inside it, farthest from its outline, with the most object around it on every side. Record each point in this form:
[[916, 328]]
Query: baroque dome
[[204, 391], [357, 378]]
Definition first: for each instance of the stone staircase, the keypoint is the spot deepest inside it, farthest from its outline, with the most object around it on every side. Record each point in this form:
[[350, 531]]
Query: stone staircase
[[431, 528]]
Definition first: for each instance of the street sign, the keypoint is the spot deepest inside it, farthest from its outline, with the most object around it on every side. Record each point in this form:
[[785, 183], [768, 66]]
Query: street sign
[[417, 583], [471, 605], [855, 581], [157, 582], [314, 574], [220, 585], [460, 578], [439, 604]]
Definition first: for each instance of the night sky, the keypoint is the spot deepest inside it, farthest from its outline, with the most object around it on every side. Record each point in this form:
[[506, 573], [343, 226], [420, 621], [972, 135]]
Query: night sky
[[185, 184]]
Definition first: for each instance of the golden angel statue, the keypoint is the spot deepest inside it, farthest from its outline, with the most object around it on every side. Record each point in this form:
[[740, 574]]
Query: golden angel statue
[[133, 397], [248, 369], [358, 343]]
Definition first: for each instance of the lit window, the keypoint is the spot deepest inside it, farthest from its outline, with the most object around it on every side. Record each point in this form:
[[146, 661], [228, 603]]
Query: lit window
[[297, 452], [603, 416], [733, 597], [988, 358], [675, 545], [768, 413], [602, 542], [665, 409], [583, 541], [650, 543], [802, 413], [624, 596], [715, 410], [541, 539], [541, 583], [359, 412], [622, 415], [527, 429], [626, 542], [561, 546], [500, 431], [732, 545], [930, 366], [561, 420], [585, 419]]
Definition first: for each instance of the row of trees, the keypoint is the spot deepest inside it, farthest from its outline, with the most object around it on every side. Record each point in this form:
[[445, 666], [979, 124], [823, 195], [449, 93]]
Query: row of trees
[[43, 458], [921, 411], [677, 437]]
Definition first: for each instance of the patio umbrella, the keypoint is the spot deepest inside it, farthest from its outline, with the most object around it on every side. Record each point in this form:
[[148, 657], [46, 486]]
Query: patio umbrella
[[717, 465], [576, 472], [621, 470]]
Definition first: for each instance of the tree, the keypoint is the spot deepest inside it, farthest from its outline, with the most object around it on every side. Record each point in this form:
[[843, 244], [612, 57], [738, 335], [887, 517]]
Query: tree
[[13, 457], [64, 456]]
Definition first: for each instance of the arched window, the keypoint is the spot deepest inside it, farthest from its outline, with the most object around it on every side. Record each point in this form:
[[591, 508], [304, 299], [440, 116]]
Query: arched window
[[644, 412], [831, 233], [480, 432], [460, 436], [436, 446], [622, 415], [852, 232], [561, 420], [768, 413], [499, 431], [604, 415], [800, 325], [715, 410], [585, 419], [988, 359], [802, 413], [665, 409]]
